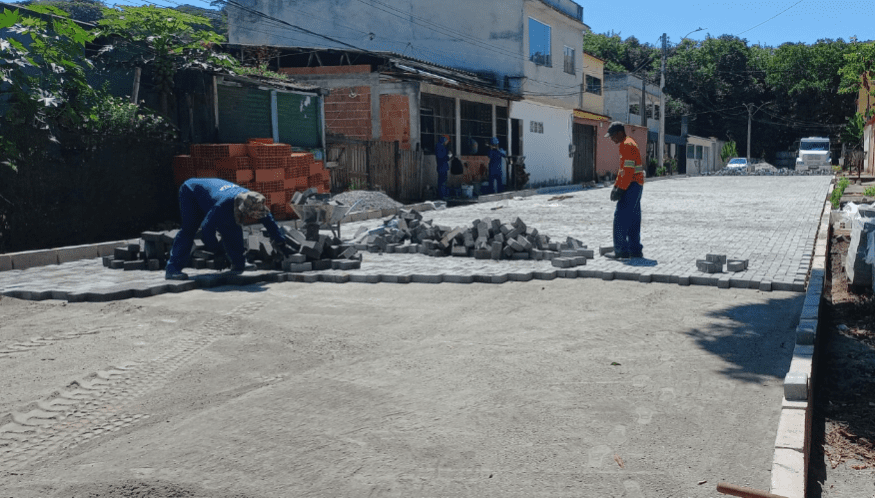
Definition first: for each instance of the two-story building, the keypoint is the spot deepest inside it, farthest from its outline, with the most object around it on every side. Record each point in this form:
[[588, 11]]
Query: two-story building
[[525, 54]]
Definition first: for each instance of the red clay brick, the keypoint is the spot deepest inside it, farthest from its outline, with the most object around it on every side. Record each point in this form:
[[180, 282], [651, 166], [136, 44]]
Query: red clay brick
[[270, 175]]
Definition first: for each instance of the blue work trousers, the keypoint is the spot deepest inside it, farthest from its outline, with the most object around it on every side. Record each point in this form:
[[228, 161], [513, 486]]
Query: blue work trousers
[[443, 173], [495, 182], [627, 222], [192, 218]]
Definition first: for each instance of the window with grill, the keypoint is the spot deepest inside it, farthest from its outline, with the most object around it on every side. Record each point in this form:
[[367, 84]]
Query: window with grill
[[476, 127], [569, 60], [635, 109], [437, 116], [501, 130], [539, 43], [593, 85]]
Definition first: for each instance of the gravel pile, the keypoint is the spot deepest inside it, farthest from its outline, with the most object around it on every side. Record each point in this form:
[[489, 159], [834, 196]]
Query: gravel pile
[[367, 200]]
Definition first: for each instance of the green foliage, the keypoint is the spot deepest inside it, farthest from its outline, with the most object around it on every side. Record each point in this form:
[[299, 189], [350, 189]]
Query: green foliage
[[355, 185], [852, 133], [869, 192], [622, 56], [858, 69], [43, 64], [175, 40], [661, 171], [838, 192], [729, 151], [117, 116]]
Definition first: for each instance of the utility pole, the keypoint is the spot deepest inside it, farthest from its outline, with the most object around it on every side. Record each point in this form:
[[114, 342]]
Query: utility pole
[[661, 142], [750, 113]]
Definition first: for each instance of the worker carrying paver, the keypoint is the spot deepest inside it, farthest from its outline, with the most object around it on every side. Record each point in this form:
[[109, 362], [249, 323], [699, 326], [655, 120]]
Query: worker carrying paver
[[627, 193], [496, 157], [443, 155], [216, 205]]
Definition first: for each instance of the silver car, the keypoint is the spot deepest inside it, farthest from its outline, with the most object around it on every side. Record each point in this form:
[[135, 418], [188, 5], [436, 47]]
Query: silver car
[[740, 164]]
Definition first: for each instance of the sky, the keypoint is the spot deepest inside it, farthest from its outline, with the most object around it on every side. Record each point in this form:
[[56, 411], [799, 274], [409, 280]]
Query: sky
[[768, 22], [763, 22]]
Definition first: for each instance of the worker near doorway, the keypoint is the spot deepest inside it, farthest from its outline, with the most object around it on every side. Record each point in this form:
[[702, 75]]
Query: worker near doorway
[[214, 205], [496, 158], [443, 155], [627, 194]]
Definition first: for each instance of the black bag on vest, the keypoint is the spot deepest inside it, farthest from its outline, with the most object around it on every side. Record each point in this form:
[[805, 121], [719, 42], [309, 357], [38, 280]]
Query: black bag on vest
[[456, 167]]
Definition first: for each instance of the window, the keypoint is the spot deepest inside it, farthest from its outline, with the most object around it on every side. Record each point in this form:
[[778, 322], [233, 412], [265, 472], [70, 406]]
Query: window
[[476, 128], [536, 127], [539, 43], [437, 117], [501, 127], [656, 111], [593, 85], [691, 151], [634, 109], [569, 60], [698, 152]]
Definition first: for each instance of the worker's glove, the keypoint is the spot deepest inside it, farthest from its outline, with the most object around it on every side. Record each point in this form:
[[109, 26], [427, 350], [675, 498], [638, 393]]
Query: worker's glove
[[617, 193]]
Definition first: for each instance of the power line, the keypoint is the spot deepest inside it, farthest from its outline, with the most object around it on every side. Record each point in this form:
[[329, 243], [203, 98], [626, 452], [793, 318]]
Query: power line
[[769, 19]]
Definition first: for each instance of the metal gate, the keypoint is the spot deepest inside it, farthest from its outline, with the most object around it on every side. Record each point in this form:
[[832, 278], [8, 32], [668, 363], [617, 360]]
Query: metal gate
[[583, 168], [375, 165], [288, 117]]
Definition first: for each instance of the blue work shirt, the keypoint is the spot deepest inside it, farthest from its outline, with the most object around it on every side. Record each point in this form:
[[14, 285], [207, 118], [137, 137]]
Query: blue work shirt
[[442, 156], [495, 156], [215, 197]]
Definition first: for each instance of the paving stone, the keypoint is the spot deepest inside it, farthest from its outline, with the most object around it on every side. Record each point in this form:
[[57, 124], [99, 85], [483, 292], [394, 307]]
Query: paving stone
[[74, 253], [520, 276], [29, 259], [335, 278], [736, 265], [645, 277], [117, 264], [796, 386], [589, 273], [135, 265], [806, 332], [684, 280], [110, 294], [427, 278], [370, 279], [721, 259], [459, 279], [607, 275], [544, 275], [562, 263], [298, 267], [699, 280], [765, 286], [723, 283], [709, 266], [603, 250]]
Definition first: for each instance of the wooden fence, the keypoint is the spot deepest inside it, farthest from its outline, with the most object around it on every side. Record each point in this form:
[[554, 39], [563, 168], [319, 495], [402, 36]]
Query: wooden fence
[[375, 165]]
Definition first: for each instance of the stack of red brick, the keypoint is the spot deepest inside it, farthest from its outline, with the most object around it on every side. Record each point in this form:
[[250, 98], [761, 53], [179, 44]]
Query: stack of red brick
[[259, 165]]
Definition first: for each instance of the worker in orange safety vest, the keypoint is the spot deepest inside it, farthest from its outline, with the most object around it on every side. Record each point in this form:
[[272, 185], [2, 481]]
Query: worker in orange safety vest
[[627, 193]]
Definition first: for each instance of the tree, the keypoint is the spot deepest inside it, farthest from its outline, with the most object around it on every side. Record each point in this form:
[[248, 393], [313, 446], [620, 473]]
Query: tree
[[729, 151], [42, 77], [857, 71], [173, 39]]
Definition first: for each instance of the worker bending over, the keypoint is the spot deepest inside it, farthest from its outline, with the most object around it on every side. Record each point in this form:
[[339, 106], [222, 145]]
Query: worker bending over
[[216, 205]]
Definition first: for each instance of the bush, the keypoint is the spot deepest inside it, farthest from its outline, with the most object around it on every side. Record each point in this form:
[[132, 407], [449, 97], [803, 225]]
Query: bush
[[839, 191]]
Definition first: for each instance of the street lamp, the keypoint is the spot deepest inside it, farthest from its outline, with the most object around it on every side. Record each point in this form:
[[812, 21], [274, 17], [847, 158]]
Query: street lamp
[[661, 142]]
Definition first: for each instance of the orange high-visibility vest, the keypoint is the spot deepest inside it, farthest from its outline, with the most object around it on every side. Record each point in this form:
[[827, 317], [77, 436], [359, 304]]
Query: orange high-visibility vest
[[631, 167]]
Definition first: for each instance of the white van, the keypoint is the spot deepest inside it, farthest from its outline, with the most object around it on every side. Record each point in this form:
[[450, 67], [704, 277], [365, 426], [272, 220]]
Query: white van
[[813, 154]]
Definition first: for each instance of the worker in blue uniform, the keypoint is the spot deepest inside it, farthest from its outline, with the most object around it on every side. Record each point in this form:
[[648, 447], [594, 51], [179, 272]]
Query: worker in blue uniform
[[443, 155], [496, 157], [216, 205]]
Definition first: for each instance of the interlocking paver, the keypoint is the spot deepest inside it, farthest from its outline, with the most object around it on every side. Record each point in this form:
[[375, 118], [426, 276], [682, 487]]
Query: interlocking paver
[[770, 221]]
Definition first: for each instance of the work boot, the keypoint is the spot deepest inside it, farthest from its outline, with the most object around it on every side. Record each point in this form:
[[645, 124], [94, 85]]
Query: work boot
[[175, 275], [246, 267]]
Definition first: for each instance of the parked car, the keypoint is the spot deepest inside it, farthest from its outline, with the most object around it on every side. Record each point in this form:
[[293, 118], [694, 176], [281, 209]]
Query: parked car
[[737, 164]]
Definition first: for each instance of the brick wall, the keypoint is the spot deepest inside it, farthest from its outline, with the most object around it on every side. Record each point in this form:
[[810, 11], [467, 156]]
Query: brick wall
[[395, 119], [348, 112]]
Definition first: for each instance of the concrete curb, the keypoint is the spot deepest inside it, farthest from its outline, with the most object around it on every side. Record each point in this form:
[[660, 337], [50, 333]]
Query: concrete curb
[[793, 440]]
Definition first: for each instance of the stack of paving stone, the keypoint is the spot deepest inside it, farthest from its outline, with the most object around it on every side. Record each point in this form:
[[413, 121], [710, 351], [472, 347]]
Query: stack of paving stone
[[153, 251], [485, 239], [713, 264]]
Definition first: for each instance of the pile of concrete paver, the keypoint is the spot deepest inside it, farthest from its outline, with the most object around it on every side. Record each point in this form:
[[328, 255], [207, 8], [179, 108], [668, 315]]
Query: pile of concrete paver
[[322, 253], [770, 172], [485, 239]]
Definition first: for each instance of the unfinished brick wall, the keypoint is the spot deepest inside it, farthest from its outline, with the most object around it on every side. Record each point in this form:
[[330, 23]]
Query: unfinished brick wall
[[395, 119], [348, 112]]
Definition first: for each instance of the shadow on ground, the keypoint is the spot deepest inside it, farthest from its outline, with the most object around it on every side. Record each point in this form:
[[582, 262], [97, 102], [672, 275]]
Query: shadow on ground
[[749, 337]]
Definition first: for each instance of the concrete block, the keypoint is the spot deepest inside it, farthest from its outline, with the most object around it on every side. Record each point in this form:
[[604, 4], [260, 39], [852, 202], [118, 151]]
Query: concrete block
[[298, 267], [579, 260], [810, 312], [603, 250], [520, 276], [736, 265], [588, 253], [179, 286], [562, 263], [321, 265], [346, 264], [626, 276], [498, 279], [30, 259], [788, 473], [684, 280], [459, 279], [110, 294], [765, 285], [791, 430], [721, 259], [369, 279], [117, 264], [460, 250], [427, 278], [135, 265], [709, 266], [663, 278], [544, 275], [607, 275], [5, 263], [521, 256], [806, 332], [482, 254], [154, 265], [796, 386], [334, 278], [723, 283], [296, 258], [74, 253]]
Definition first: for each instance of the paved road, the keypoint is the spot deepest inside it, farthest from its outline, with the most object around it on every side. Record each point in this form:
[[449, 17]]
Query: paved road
[[769, 221], [566, 387]]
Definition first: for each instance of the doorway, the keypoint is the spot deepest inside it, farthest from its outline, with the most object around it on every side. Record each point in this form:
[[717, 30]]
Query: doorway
[[583, 166]]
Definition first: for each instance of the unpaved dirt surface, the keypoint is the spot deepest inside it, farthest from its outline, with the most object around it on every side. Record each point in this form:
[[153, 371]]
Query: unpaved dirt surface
[[576, 387], [843, 450]]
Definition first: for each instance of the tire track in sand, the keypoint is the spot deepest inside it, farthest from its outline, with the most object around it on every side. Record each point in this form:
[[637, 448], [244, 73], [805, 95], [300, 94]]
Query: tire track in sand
[[102, 403]]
